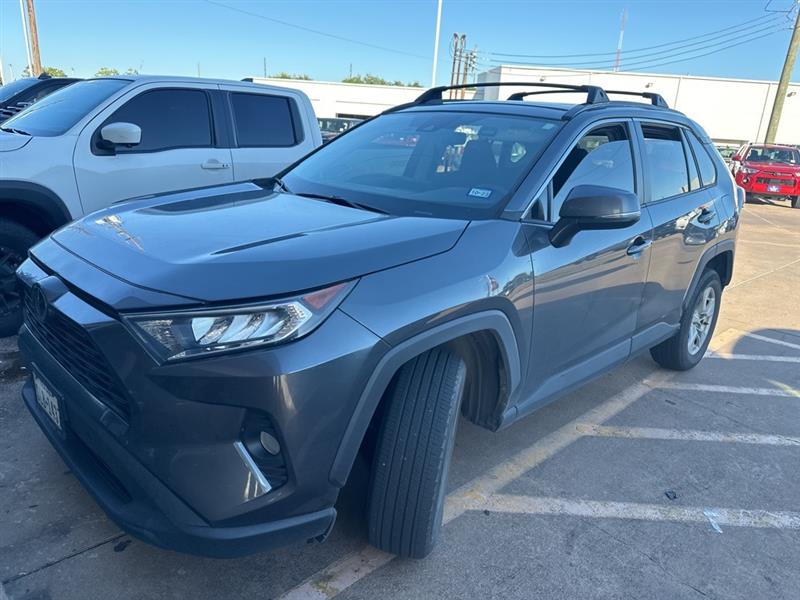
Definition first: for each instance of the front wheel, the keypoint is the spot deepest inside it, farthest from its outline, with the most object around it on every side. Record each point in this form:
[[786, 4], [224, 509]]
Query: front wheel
[[686, 348], [413, 453], [15, 240]]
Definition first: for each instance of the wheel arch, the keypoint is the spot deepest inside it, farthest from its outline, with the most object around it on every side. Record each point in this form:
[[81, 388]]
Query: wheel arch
[[720, 258], [490, 327], [33, 206]]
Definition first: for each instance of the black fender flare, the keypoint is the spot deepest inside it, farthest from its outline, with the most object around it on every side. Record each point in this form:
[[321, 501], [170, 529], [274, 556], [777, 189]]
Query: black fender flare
[[494, 321], [36, 199], [715, 250]]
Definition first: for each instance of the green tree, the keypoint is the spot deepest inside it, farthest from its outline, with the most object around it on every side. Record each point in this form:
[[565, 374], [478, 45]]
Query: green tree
[[370, 79], [110, 72], [285, 75], [52, 71]]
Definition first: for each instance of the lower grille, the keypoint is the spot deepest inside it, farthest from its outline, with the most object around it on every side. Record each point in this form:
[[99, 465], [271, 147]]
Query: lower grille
[[774, 181], [74, 350]]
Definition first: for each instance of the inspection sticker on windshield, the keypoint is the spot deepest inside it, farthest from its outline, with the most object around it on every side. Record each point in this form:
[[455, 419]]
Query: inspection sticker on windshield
[[480, 193]]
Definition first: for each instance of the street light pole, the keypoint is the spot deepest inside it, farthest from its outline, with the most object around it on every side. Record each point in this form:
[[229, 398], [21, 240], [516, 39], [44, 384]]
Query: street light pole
[[25, 36], [436, 43]]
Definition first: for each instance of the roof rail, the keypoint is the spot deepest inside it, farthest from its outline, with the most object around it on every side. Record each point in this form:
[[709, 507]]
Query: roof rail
[[594, 94], [655, 99]]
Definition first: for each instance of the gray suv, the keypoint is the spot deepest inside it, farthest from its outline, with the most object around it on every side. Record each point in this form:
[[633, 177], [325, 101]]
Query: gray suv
[[210, 363]]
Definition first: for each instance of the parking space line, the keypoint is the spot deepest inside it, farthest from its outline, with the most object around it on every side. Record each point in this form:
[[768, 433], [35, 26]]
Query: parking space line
[[340, 575], [754, 357], [771, 340], [653, 433], [734, 517], [783, 391]]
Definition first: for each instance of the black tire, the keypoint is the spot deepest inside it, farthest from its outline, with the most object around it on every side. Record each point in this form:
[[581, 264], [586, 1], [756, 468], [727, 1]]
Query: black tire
[[674, 353], [795, 201], [15, 239], [412, 458]]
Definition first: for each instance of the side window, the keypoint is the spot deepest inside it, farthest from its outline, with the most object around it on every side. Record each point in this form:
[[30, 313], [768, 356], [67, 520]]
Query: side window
[[708, 172], [694, 176], [601, 157], [263, 121], [665, 160], [169, 119]]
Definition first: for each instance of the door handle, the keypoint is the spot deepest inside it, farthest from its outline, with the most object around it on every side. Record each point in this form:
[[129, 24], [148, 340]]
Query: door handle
[[213, 164], [639, 245], [706, 215]]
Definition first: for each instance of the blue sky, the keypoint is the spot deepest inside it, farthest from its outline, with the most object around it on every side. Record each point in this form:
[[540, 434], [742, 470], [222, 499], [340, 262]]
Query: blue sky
[[172, 37]]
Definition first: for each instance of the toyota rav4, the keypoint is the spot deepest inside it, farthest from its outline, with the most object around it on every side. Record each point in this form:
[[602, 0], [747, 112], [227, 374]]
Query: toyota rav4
[[210, 363]]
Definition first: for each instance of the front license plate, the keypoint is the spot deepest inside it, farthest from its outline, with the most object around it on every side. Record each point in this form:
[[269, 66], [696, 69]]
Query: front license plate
[[773, 188], [48, 401]]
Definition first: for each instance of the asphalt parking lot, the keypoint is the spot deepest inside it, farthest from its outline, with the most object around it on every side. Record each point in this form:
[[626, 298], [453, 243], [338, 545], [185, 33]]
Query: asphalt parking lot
[[643, 484]]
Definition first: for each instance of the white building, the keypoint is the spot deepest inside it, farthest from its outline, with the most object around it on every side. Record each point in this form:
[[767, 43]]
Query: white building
[[731, 110]]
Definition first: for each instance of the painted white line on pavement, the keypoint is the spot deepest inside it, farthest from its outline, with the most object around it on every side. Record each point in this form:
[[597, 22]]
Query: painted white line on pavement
[[733, 517], [653, 433], [759, 276], [771, 340], [340, 575], [755, 357], [783, 391]]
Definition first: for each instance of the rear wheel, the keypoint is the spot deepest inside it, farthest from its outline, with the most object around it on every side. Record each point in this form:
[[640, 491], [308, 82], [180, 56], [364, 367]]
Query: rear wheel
[[15, 240], [795, 201], [686, 348], [413, 453]]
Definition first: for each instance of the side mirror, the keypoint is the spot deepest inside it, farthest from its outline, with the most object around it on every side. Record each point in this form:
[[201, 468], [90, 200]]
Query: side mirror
[[736, 157], [120, 134], [594, 207]]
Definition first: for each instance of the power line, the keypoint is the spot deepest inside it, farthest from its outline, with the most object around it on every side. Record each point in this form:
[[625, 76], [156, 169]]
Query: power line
[[316, 31], [637, 60], [748, 24], [586, 71]]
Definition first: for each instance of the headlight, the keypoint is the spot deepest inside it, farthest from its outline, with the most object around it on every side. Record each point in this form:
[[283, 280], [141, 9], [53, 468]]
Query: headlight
[[748, 170], [186, 334]]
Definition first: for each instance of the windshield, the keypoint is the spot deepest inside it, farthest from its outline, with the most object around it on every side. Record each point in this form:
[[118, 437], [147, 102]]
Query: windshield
[[15, 87], [789, 156], [59, 111], [455, 164]]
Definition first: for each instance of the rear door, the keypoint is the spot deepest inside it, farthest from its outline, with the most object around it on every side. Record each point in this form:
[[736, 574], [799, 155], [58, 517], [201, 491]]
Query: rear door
[[271, 130], [180, 147], [685, 217]]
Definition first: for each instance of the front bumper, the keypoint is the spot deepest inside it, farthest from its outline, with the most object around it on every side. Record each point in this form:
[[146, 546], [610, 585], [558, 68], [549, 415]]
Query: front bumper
[[165, 467]]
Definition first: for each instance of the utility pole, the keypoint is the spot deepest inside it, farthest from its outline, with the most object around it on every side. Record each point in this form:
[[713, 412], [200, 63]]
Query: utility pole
[[783, 84], [35, 57], [265, 67], [619, 42], [436, 43], [25, 36], [459, 43]]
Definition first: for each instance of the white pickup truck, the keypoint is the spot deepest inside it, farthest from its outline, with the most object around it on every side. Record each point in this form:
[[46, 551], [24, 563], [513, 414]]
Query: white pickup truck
[[101, 141]]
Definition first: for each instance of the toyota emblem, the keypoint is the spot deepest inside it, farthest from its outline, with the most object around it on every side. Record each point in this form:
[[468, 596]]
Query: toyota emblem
[[39, 302]]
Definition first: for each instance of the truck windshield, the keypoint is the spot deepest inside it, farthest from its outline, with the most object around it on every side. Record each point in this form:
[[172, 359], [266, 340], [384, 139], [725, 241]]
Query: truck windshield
[[59, 111], [13, 88], [788, 156], [451, 164]]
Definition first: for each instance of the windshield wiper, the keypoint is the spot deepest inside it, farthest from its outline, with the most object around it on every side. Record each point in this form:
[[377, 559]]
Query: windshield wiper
[[342, 202], [12, 130]]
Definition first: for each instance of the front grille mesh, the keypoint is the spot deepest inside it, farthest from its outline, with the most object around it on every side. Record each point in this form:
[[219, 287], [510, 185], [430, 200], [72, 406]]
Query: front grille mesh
[[74, 349], [774, 181]]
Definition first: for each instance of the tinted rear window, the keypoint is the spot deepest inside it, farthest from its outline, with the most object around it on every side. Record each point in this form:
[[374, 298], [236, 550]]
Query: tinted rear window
[[708, 172], [263, 121], [667, 170]]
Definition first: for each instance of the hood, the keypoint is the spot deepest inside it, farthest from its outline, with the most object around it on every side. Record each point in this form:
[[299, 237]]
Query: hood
[[12, 141], [773, 167], [241, 242]]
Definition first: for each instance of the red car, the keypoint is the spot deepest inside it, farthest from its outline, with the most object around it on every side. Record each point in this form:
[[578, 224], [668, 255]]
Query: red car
[[769, 170]]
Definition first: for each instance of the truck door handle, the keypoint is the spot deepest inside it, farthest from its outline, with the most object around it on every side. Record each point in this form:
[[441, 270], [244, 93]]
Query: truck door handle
[[638, 246], [706, 215], [214, 164]]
